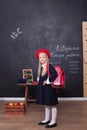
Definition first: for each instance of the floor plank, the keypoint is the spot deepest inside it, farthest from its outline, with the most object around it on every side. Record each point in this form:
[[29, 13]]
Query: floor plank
[[72, 115]]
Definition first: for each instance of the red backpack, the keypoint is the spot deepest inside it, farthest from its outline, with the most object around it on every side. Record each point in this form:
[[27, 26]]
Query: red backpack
[[59, 82]]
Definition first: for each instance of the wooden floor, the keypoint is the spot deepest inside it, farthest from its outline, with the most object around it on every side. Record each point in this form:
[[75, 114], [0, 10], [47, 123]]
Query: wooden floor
[[72, 115]]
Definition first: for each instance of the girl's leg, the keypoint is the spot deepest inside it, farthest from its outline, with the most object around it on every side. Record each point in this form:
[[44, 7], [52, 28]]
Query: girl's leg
[[54, 115], [47, 114]]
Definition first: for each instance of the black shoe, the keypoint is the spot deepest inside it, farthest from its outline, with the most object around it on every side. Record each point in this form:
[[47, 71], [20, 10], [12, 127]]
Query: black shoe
[[50, 126], [43, 123]]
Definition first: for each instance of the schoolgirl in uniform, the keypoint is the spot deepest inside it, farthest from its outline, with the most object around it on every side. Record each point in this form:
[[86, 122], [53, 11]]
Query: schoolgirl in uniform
[[46, 95]]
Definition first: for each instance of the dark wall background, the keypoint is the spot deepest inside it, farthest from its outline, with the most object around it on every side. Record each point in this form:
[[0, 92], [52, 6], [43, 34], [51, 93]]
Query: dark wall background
[[26, 26]]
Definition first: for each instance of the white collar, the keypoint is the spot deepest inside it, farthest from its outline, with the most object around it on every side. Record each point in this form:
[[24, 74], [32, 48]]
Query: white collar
[[43, 65]]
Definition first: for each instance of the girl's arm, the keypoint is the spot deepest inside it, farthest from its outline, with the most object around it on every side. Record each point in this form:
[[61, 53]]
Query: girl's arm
[[53, 73], [51, 76]]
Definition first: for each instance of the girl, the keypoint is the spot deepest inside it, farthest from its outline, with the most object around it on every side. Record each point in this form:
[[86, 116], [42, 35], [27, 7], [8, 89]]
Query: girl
[[46, 95]]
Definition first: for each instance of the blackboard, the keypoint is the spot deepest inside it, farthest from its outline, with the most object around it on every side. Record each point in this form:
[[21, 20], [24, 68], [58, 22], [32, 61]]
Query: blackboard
[[29, 25]]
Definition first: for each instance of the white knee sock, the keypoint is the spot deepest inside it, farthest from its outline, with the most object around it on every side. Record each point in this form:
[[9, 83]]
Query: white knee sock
[[47, 114], [54, 116]]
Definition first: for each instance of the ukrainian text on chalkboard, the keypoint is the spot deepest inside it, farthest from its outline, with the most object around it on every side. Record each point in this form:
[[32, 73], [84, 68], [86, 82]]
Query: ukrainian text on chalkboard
[[69, 54]]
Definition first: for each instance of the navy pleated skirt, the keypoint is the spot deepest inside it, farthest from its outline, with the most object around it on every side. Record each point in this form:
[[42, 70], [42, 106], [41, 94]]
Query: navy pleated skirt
[[46, 95]]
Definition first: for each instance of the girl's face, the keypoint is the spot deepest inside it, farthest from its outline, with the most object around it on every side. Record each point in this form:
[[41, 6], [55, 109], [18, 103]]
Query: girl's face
[[43, 58]]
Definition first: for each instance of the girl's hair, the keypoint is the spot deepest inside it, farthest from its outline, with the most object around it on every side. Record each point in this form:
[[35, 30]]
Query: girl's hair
[[44, 69]]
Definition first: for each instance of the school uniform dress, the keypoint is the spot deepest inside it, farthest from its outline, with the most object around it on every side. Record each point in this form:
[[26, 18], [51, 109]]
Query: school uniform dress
[[46, 95]]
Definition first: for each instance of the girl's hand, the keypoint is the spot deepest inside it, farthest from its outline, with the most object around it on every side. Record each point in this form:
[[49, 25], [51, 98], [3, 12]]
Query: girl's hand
[[47, 82], [44, 82]]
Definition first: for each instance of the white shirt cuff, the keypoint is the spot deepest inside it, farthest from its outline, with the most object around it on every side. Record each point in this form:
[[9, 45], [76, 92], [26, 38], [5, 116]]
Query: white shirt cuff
[[38, 78], [47, 81]]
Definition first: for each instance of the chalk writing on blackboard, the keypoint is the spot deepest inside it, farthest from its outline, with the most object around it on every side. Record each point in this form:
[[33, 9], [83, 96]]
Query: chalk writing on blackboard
[[65, 52], [72, 54], [15, 34], [73, 66], [68, 54]]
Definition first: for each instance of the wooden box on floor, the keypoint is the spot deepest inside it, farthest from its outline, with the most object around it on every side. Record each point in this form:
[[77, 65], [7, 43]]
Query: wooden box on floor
[[14, 109]]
